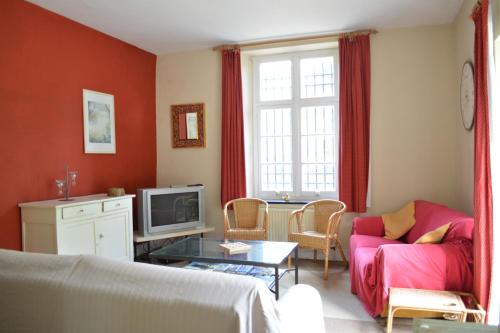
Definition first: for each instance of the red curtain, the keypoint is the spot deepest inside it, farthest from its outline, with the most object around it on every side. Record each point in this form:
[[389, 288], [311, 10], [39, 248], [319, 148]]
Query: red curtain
[[354, 121], [483, 206], [233, 181]]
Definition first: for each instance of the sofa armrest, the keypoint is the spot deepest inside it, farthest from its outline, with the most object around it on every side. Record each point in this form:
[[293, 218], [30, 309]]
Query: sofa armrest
[[301, 310], [426, 266], [370, 226]]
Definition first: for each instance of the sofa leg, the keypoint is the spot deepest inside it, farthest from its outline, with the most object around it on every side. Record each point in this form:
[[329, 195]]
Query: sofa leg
[[289, 262], [325, 273], [315, 255]]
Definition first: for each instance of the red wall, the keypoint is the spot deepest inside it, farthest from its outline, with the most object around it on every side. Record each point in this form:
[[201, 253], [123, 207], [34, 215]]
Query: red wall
[[45, 62]]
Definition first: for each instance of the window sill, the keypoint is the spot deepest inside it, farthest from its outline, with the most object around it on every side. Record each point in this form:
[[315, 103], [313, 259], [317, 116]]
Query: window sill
[[288, 202]]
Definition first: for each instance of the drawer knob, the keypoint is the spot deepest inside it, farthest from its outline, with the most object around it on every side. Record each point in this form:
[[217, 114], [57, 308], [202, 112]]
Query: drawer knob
[[101, 236], [117, 205], [81, 210]]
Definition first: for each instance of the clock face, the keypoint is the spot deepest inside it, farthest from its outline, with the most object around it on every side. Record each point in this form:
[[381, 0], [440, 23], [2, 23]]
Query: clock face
[[467, 95]]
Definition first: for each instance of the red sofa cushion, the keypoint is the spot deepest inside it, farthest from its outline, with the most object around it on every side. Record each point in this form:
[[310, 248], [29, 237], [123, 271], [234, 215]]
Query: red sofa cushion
[[430, 216], [460, 228]]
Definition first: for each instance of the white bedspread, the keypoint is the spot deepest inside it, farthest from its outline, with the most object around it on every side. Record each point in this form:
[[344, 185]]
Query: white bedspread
[[66, 294]]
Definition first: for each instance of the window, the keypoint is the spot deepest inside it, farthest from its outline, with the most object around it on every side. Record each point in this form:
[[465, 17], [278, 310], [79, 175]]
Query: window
[[296, 125]]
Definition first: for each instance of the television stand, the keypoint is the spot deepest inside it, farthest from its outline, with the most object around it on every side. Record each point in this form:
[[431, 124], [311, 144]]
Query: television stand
[[139, 239]]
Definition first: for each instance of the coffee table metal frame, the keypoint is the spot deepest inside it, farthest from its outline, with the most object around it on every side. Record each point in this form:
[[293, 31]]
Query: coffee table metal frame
[[231, 259]]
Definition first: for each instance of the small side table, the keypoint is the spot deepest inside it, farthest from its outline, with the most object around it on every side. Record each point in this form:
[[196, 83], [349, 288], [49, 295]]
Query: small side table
[[447, 302], [138, 239]]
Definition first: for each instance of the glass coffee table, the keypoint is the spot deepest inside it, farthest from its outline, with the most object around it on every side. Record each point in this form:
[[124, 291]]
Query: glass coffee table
[[262, 254]]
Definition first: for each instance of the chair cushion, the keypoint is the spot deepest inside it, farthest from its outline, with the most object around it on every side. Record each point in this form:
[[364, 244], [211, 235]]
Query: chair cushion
[[435, 236], [398, 223], [310, 233], [308, 239]]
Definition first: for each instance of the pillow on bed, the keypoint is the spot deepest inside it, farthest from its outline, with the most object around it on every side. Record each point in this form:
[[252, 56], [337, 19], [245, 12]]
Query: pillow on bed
[[435, 236], [399, 223]]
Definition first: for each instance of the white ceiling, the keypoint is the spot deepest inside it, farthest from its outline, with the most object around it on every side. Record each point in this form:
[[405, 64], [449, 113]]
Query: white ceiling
[[163, 26]]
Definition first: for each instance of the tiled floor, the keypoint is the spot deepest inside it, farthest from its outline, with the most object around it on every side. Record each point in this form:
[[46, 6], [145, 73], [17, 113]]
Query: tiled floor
[[343, 311]]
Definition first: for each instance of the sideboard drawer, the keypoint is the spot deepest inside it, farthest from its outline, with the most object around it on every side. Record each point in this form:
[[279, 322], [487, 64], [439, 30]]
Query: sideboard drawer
[[114, 205], [80, 211]]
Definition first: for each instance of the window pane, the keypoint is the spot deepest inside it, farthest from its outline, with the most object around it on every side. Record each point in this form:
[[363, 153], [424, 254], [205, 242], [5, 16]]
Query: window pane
[[318, 148], [276, 149], [275, 80], [296, 136], [316, 77]]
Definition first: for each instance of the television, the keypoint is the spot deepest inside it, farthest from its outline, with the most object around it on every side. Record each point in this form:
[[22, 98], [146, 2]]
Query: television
[[163, 210]]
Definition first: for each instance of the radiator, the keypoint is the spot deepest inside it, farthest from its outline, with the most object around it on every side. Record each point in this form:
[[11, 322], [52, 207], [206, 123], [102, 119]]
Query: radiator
[[278, 222]]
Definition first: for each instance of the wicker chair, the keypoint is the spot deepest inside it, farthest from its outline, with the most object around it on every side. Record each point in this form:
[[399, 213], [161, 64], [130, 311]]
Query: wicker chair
[[246, 220], [327, 216]]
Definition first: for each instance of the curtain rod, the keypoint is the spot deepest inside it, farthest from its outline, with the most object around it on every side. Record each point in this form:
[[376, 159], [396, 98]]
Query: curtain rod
[[296, 39]]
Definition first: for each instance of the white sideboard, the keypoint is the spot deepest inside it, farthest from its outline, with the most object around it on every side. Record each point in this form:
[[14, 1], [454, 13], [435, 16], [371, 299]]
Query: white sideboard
[[93, 224]]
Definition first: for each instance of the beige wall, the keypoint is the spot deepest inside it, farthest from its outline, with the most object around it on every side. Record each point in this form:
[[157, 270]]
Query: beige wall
[[464, 51], [413, 126], [188, 78], [413, 117]]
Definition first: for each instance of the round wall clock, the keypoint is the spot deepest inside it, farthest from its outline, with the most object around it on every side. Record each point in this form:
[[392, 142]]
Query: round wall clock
[[467, 95]]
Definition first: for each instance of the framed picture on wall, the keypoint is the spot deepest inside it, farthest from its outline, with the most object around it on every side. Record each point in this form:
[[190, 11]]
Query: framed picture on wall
[[98, 122], [188, 125]]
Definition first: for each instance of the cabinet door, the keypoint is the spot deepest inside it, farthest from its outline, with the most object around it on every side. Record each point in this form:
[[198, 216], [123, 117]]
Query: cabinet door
[[76, 238], [112, 237]]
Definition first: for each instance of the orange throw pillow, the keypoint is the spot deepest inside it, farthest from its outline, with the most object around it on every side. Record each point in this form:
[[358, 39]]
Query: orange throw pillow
[[435, 236], [399, 223]]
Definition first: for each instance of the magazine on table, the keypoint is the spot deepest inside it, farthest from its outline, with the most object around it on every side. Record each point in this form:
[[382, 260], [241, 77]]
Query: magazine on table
[[221, 267], [262, 271], [265, 274], [236, 247], [244, 269]]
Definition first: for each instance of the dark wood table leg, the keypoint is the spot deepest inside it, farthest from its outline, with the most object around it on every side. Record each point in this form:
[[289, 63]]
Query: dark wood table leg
[[276, 283], [201, 235], [296, 265]]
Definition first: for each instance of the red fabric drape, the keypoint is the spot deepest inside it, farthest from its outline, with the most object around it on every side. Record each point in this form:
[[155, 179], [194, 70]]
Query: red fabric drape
[[233, 181], [483, 206], [355, 76]]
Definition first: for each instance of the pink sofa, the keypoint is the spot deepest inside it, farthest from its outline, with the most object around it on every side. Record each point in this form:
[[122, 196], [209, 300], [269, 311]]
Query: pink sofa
[[378, 264]]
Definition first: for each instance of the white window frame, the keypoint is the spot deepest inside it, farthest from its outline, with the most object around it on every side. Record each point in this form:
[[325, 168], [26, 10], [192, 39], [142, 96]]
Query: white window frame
[[295, 104]]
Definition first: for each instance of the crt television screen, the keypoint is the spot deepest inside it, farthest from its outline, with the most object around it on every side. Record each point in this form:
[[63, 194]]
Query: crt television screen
[[173, 208]]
